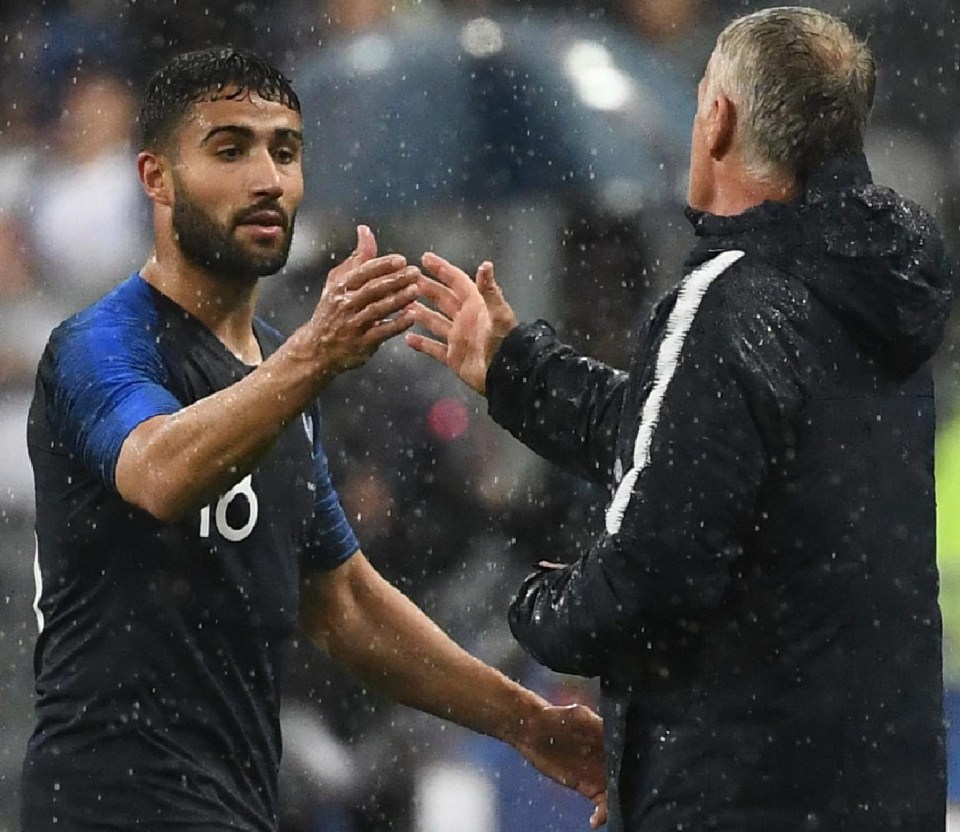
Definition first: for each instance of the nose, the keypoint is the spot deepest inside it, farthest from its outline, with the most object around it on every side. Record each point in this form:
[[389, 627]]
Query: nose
[[266, 178]]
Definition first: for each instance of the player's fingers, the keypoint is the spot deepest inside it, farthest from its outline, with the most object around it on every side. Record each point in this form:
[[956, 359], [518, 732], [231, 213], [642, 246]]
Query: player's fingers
[[373, 269], [387, 328], [366, 243], [372, 313], [349, 276], [365, 249], [395, 283]]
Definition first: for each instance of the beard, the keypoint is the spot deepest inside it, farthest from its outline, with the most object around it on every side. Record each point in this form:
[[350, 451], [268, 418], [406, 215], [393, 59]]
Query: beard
[[215, 247]]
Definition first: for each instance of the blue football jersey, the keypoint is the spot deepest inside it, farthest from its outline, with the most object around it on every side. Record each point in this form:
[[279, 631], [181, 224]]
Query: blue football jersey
[[160, 649]]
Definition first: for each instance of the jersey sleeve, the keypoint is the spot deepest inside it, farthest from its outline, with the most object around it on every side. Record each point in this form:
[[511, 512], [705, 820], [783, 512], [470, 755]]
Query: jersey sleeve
[[102, 378], [331, 539]]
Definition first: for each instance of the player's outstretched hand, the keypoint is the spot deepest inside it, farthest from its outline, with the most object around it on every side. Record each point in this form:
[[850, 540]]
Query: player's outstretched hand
[[468, 320], [565, 742], [366, 300]]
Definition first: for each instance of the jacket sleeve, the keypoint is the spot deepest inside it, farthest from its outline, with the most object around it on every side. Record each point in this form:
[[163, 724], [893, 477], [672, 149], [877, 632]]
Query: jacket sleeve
[[562, 405], [722, 392]]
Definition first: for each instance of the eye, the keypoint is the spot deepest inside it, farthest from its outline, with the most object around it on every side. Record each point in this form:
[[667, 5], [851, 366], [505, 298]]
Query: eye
[[229, 153], [286, 155]]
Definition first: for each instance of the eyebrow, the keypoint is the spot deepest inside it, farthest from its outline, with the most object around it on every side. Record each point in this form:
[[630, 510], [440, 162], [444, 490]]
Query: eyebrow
[[249, 133]]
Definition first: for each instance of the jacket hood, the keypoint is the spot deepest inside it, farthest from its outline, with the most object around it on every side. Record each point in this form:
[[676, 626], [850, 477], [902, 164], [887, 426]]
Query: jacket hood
[[875, 259]]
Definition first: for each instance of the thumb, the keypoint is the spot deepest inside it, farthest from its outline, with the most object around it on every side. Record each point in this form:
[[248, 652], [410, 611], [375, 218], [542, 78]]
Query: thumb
[[486, 282], [503, 315], [599, 815], [366, 245]]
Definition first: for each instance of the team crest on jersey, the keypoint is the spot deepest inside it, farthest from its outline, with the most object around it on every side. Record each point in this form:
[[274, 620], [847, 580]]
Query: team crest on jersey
[[308, 427]]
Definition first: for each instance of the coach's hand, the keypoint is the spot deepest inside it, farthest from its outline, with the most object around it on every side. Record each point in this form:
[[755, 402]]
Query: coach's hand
[[468, 320]]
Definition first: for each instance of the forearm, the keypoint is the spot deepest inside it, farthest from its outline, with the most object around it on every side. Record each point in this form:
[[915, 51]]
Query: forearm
[[564, 406], [171, 464], [372, 629], [553, 619]]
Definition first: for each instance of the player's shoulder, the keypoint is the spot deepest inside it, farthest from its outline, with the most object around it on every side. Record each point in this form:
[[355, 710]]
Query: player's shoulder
[[128, 307], [124, 321]]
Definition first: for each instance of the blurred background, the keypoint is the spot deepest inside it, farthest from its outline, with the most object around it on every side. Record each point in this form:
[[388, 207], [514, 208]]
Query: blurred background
[[550, 137]]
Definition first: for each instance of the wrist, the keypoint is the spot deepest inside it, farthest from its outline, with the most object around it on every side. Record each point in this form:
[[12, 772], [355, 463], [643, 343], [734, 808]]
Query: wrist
[[490, 353], [304, 364], [519, 724]]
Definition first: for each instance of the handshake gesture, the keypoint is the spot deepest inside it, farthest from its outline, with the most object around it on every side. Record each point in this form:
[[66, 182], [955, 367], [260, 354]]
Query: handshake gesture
[[369, 299]]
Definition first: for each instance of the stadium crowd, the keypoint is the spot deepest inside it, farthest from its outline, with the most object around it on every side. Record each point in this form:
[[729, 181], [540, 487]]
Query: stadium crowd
[[451, 510]]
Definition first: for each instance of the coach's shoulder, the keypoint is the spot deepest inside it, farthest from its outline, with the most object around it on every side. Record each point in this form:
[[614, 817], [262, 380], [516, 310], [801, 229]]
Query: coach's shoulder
[[749, 290]]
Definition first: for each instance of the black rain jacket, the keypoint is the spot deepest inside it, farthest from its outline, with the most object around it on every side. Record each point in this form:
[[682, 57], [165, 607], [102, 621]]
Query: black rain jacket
[[761, 607]]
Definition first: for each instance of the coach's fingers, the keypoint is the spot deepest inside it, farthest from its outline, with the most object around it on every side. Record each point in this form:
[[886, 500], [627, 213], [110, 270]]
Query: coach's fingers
[[431, 320], [441, 296], [458, 280], [428, 346]]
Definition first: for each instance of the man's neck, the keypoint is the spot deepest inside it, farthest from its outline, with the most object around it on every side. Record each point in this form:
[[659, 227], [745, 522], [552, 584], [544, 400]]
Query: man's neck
[[226, 307], [736, 191]]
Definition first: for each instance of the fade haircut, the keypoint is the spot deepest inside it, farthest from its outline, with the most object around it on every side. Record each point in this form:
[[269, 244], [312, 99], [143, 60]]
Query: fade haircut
[[206, 75], [802, 83]]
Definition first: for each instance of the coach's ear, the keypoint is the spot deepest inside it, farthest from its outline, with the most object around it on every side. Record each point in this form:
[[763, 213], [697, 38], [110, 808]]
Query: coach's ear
[[722, 126], [152, 168]]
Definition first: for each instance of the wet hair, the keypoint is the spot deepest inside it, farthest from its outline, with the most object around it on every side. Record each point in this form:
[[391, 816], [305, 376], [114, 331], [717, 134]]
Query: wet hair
[[206, 75], [804, 85]]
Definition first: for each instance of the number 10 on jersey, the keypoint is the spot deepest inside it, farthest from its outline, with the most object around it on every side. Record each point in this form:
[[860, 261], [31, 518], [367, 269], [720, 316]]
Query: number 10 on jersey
[[242, 490]]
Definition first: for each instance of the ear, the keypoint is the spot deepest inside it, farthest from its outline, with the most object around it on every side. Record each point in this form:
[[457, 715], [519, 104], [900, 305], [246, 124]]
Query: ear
[[722, 127], [153, 169]]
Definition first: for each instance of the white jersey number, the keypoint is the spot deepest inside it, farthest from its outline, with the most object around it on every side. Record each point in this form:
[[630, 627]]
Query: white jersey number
[[243, 489]]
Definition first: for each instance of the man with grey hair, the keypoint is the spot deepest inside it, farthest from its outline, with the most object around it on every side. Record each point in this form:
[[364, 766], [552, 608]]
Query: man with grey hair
[[803, 87], [761, 604]]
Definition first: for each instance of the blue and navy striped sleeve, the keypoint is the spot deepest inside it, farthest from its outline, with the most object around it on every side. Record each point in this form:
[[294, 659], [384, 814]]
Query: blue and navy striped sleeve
[[103, 375], [331, 540]]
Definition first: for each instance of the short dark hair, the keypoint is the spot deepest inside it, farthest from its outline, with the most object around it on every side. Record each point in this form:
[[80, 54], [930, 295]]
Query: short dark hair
[[206, 75]]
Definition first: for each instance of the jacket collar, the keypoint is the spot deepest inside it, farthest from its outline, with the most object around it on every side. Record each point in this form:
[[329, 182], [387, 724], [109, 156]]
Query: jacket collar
[[837, 173]]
